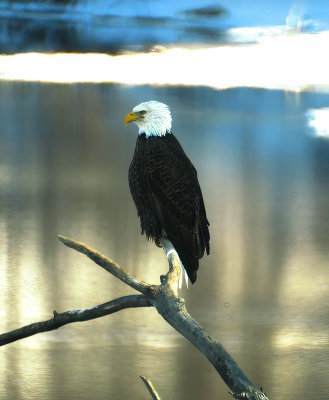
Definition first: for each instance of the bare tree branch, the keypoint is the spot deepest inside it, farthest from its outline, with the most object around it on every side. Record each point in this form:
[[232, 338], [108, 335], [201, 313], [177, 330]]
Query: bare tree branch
[[165, 299], [108, 265], [172, 309], [150, 388], [69, 317]]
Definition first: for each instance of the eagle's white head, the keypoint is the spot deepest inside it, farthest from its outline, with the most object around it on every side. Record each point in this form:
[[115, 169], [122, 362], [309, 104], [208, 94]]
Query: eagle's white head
[[153, 118]]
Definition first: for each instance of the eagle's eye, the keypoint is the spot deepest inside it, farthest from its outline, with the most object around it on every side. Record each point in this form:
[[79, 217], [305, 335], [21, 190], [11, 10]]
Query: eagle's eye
[[143, 112]]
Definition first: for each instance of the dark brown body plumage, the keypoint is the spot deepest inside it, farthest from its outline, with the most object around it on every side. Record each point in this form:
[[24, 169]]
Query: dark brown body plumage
[[168, 198]]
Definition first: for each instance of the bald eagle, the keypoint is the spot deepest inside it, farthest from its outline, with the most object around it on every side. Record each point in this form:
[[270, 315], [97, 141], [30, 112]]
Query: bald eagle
[[165, 188]]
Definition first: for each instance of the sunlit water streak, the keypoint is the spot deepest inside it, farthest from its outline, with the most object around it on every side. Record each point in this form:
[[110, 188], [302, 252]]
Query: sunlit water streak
[[293, 62]]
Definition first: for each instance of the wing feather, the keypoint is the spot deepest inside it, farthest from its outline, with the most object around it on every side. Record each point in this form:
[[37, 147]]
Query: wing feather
[[176, 198]]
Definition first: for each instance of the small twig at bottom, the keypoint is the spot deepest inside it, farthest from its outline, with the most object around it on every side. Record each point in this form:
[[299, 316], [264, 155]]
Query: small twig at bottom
[[150, 388]]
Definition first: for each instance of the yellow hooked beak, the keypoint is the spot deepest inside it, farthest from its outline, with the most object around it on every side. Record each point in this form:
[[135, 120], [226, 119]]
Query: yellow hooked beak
[[131, 117]]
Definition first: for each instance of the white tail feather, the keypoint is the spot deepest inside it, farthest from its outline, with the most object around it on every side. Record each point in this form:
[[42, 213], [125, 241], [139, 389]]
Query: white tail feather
[[180, 283], [183, 272], [186, 278]]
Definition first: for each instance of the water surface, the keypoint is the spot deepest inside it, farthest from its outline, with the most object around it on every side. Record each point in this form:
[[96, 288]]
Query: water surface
[[263, 291]]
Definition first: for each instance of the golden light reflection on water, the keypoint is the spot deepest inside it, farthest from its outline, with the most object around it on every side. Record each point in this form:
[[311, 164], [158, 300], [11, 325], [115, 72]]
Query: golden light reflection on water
[[292, 62], [289, 339]]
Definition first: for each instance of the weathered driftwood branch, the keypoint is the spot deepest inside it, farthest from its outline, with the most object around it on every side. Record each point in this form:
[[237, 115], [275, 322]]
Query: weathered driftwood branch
[[172, 309], [107, 264], [69, 317], [165, 299], [150, 388]]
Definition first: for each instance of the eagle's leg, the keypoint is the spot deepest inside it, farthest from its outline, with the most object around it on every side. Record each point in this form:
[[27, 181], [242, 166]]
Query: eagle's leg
[[182, 269], [172, 250]]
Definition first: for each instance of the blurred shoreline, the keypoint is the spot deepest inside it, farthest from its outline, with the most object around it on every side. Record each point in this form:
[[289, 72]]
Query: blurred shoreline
[[114, 27]]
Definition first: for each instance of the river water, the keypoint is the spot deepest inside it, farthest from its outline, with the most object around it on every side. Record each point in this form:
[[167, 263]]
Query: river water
[[263, 291]]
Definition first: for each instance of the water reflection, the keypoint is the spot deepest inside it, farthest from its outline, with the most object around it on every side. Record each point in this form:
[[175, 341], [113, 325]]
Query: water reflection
[[64, 159]]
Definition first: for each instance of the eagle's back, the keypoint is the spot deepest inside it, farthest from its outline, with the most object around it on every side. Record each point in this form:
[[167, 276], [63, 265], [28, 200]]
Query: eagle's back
[[168, 198]]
